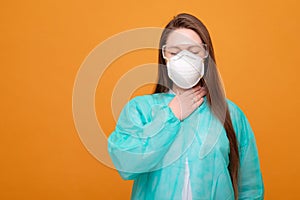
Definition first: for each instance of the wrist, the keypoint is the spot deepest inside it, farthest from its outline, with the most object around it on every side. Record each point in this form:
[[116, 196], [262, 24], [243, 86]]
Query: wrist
[[175, 109]]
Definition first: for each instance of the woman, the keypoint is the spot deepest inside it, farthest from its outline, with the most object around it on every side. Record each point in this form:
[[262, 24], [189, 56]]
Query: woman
[[187, 140]]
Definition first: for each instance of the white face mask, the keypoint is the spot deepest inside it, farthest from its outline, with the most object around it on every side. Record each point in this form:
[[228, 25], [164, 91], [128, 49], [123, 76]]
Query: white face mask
[[185, 69]]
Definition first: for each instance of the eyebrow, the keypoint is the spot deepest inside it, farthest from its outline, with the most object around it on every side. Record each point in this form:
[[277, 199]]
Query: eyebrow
[[178, 46], [188, 45]]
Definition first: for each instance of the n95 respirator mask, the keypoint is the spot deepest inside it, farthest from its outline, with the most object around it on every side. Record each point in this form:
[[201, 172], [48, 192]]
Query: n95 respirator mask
[[185, 69]]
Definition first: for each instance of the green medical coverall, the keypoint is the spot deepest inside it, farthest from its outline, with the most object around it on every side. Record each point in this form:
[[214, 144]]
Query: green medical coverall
[[151, 146]]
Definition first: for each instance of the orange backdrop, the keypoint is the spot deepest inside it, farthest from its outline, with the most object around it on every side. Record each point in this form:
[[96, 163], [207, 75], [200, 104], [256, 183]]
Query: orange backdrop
[[43, 44]]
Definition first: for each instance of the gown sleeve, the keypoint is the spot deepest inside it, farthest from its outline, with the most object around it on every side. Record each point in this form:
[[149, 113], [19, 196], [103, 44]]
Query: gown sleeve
[[143, 134], [250, 185]]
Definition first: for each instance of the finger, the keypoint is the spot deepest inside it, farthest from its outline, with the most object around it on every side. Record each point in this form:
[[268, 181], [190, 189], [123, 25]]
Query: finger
[[194, 94], [203, 88], [196, 88], [193, 91], [203, 93], [198, 103], [196, 98], [200, 95]]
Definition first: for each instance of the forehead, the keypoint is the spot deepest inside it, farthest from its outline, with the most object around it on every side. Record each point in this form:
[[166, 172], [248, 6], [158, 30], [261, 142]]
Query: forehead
[[183, 36]]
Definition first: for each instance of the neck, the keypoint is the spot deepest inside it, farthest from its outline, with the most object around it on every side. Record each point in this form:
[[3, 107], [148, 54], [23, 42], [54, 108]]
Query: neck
[[178, 90]]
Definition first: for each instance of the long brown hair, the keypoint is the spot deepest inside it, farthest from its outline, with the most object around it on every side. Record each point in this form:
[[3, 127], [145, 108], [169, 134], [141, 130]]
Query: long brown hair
[[211, 80]]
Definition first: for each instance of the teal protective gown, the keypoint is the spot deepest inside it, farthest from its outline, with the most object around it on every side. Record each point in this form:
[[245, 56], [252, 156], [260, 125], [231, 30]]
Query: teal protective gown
[[152, 147]]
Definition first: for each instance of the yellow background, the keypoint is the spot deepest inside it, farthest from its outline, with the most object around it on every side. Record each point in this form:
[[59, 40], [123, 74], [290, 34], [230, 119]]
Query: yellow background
[[43, 44]]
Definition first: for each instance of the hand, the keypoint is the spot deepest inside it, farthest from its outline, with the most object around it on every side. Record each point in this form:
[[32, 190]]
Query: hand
[[184, 104]]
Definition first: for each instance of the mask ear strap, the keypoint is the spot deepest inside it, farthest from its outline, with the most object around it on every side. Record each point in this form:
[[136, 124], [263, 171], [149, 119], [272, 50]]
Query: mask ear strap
[[205, 66]]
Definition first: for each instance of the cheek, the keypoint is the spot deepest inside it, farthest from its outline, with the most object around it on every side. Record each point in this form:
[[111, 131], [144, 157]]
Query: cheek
[[168, 55]]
